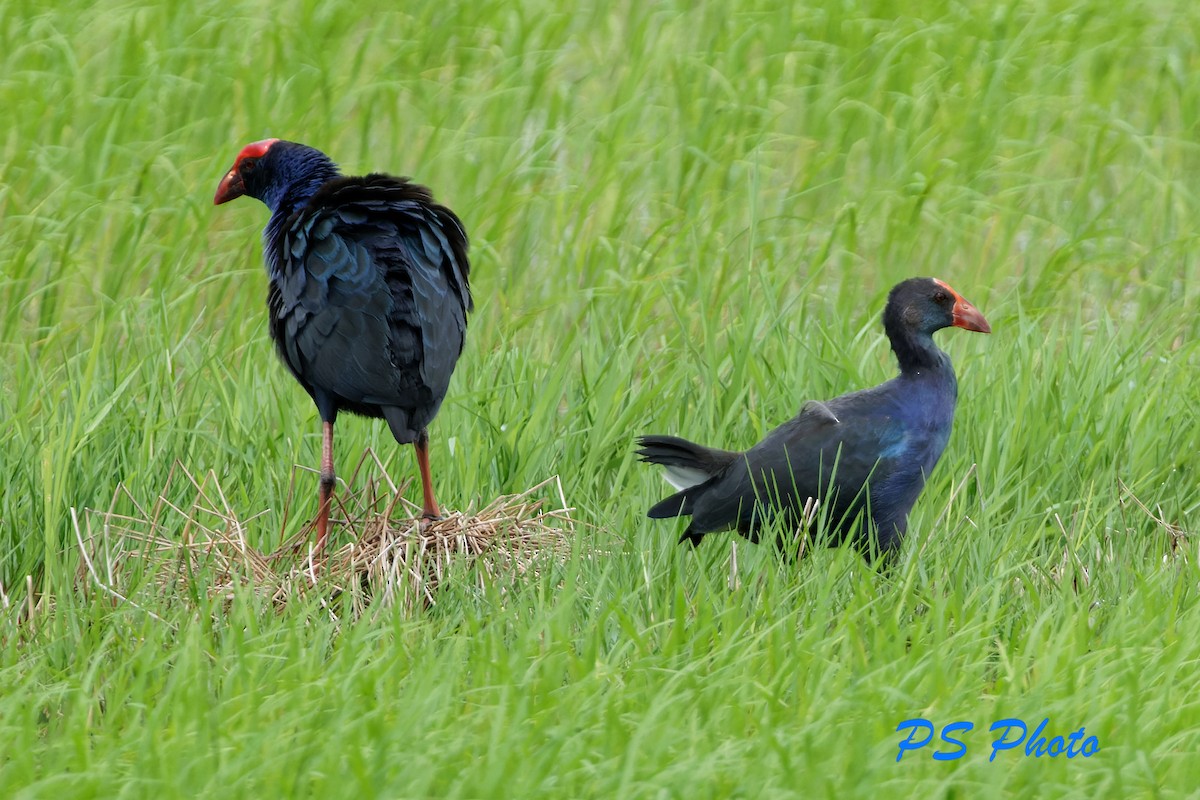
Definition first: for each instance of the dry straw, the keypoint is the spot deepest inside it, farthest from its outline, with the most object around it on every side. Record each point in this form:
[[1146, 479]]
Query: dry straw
[[198, 547]]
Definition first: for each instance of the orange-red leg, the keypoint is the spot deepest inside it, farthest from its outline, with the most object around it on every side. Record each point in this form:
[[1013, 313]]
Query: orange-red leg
[[327, 481], [429, 506]]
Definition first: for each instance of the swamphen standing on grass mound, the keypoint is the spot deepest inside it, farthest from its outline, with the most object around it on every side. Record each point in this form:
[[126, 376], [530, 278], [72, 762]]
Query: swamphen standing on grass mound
[[368, 294], [868, 451]]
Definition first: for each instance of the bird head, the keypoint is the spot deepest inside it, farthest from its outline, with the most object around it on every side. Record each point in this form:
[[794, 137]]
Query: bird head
[[272, 168], [246, 176], [925, 305]]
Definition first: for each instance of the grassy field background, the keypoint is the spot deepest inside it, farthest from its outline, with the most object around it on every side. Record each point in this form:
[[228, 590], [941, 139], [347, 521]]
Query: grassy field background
[[684, 220]]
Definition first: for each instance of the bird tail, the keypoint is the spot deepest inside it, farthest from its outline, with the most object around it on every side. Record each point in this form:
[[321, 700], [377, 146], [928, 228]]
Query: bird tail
[[686, 465]]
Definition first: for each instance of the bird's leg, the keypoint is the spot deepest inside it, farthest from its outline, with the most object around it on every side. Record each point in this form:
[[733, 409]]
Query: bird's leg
[[429, 506], [327, 482]]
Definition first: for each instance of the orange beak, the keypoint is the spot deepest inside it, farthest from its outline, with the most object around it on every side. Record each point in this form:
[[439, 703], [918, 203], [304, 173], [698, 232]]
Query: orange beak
[[966, 315]]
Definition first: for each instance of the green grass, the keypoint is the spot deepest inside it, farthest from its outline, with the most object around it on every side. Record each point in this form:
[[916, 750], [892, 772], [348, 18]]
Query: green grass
[[683, 221]]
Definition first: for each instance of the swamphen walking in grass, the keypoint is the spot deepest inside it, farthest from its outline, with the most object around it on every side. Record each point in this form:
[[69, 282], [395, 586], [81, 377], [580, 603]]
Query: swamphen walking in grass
[[868, 451], [368, 294]]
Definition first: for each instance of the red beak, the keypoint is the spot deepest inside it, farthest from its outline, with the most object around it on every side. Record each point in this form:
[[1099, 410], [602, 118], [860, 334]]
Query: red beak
[[230, 188], [968, 316], [965, 315]]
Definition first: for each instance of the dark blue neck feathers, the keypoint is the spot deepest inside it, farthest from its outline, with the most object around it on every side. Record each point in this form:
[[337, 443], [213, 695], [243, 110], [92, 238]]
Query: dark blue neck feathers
[[290, 173], [916, 352], [296, 172]]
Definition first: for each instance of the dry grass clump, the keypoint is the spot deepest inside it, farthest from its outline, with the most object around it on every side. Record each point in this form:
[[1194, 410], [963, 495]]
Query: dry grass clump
[[197, 547]]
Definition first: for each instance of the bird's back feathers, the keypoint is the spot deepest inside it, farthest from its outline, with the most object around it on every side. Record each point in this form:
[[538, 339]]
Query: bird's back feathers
[[368, 298]]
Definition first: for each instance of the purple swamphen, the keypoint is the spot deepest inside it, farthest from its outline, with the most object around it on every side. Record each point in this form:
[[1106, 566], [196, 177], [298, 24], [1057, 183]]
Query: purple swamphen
[[367, 297], [862, 457]]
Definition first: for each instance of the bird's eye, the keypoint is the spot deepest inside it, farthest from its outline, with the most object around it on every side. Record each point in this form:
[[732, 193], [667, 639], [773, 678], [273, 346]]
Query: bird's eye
[[248, 165], [940, 297]]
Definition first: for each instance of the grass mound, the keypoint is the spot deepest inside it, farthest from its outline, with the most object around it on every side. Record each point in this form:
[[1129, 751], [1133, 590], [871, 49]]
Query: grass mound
[[200, 548]]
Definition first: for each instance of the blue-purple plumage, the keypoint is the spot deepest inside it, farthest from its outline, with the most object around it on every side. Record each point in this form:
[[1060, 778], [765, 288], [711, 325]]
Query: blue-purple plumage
[[863, 455], [368, 288], [369, 297]]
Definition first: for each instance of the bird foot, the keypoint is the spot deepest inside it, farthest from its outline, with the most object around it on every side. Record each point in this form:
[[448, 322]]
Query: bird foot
[[427, 521]]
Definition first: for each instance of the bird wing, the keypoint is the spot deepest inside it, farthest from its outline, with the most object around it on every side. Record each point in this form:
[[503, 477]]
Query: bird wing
[[826, 444], [373, 296]]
